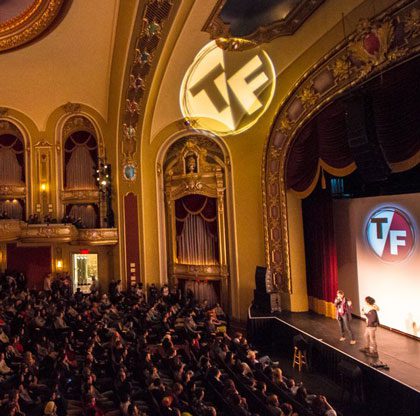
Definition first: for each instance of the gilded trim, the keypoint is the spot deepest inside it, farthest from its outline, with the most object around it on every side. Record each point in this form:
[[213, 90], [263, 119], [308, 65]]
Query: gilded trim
[[322, 307], [377, 45], [406, 164], [30, 24], [145, 54], [330, 169], [15, 230]]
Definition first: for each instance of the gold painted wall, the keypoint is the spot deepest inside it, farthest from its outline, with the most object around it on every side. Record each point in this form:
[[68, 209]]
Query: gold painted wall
[[246, 152], [293, 55]]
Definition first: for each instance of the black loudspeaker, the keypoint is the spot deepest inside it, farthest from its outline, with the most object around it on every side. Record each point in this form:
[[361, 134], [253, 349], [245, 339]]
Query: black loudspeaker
[[262, 301], [267, 302], [362, 140], [349, 370], [260, 282]]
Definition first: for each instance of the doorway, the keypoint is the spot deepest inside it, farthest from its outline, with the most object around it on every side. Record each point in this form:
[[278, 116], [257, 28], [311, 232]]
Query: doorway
[[85, 269]]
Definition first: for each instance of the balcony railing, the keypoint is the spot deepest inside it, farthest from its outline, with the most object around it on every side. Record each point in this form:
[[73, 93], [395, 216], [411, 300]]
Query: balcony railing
[[15, 230]]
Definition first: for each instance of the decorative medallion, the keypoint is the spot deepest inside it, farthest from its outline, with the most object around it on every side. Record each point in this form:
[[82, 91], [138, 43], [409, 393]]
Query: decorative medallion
[[22, 21], [130, 172]]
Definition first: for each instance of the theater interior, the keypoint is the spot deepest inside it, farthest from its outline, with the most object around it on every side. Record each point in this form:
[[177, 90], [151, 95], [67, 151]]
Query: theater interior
[[185, 188]]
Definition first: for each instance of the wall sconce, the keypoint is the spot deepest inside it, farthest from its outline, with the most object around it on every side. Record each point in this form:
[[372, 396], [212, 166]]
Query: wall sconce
[[59, 264], [43, 187]]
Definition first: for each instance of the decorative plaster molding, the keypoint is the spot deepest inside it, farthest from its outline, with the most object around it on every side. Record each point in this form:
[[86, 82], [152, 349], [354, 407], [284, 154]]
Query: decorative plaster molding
[[221, 31], [146, 53], [376, 45], [72, 107], [15, 230], [30, 24]]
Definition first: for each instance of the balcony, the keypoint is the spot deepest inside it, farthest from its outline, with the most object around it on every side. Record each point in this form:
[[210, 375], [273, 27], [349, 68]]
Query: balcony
[[19, 231]]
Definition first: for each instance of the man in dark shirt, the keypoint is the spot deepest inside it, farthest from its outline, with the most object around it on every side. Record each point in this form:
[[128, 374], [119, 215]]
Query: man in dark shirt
[[370, 312]]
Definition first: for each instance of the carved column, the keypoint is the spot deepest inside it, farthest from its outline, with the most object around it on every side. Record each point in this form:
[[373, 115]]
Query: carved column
[[43, 180], [171, 217]]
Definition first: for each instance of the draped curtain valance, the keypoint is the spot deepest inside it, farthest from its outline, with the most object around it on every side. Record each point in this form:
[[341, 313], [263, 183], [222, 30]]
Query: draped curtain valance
[[203, 206], [394, 98], [80, 159], [196, 230]]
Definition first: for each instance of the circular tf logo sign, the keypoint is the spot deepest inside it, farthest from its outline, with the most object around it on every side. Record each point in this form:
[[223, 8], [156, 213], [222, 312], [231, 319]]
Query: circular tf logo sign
[[227, 91], [390, 234]]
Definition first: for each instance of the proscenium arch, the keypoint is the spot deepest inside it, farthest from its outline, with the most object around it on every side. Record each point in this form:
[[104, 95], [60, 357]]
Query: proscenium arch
[[331, 77], [230, 211]]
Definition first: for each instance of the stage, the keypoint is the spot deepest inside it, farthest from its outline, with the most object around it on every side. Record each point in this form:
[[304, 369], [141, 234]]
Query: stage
[[380, 387]]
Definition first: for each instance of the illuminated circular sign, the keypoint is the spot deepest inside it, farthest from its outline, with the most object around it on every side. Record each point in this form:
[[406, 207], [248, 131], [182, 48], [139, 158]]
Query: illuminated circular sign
[[390, 234], [227, 92]]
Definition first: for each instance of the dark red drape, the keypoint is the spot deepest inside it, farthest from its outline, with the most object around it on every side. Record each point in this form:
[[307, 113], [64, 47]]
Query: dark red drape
[[320, 248], [324, 138], [396, 103], [35, 262], [395, 100], [132, 237], [201, 205]]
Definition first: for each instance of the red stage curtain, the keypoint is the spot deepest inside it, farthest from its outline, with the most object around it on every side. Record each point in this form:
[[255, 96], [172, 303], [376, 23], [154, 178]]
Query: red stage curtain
[[320, 248], [324, 138], [35, 262], [396, 102], [303, 160]]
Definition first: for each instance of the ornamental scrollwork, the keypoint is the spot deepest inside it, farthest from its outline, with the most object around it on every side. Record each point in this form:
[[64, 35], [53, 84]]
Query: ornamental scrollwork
[[151, 33], [30, 24], [376, 45]]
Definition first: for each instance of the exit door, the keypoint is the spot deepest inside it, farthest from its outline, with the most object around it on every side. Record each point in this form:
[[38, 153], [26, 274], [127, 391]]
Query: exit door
[[85, 269]]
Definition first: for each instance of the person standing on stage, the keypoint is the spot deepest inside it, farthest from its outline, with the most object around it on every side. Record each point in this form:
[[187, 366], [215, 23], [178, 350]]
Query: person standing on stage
[[343, 313], [370, 312]]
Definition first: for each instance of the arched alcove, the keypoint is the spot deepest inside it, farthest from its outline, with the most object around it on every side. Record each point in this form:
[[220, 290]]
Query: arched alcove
[[195, 195], [81, 153], [13, 172]]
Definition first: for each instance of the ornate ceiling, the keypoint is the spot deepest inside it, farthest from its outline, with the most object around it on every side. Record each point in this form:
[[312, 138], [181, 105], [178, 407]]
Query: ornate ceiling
[[258, 20], [70, 63], [22, 21]]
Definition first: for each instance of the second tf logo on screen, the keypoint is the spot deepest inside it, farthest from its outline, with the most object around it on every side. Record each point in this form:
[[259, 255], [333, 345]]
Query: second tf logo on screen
[[390, 234]]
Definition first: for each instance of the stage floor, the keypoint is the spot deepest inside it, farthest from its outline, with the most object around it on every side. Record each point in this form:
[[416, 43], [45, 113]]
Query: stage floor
[[399, 352]]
